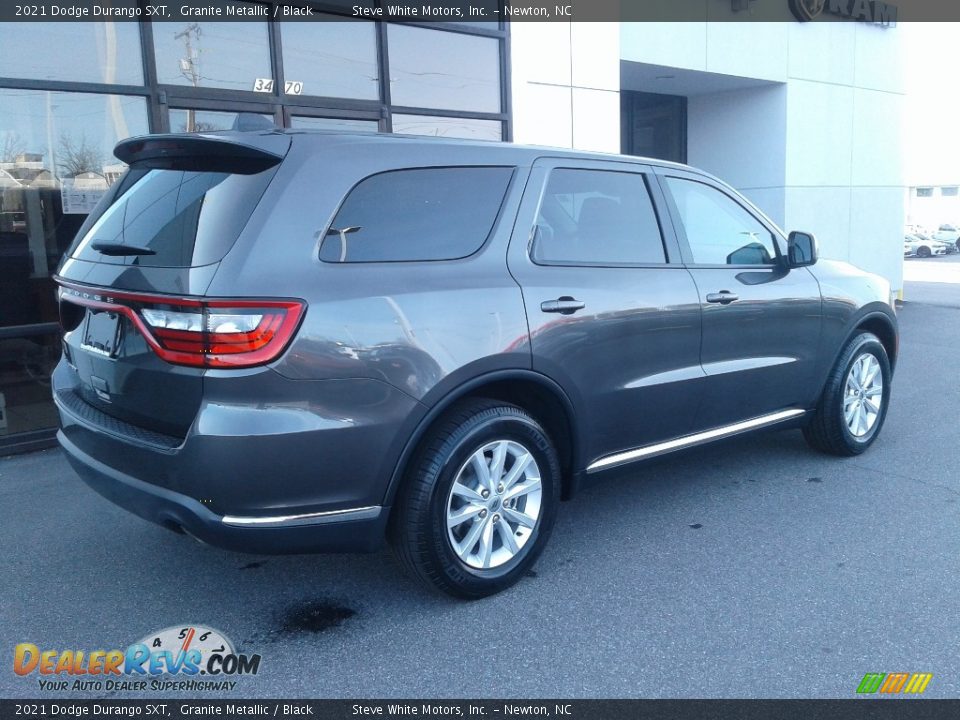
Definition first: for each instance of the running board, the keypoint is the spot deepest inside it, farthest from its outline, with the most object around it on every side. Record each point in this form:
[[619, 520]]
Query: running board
[[318, 518], [691, 440]]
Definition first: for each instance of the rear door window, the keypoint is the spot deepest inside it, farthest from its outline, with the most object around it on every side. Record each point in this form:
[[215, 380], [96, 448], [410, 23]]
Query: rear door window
[[173, 218], [597, 217], [417, 214]]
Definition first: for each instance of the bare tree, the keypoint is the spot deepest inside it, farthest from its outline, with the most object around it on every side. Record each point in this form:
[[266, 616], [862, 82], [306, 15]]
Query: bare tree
[[199, 126], [13, 146], [78, 156]]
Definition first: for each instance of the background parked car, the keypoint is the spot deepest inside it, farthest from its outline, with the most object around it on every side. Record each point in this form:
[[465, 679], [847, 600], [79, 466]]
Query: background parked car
[[948, 234], [914, 245], [928, 236]]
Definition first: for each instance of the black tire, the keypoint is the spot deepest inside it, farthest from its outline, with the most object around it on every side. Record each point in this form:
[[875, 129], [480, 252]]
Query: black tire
[[958, 244], [827, 430], [923, 252], [418, 530]]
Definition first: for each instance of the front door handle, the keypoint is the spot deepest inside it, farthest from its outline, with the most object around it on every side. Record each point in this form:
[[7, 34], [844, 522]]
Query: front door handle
[[724, 297], [565, 305]]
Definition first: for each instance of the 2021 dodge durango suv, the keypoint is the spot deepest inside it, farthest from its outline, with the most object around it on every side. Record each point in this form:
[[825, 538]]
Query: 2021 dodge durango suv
[[301, 341]]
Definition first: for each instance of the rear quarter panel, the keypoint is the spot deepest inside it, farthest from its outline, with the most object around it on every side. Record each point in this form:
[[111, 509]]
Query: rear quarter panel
[[422, 327]]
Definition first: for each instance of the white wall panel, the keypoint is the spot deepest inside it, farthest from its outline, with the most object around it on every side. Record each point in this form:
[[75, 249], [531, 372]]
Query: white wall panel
[[540, 52], [542, 115], [682, 45], [595, 50], [748, 49], [739, 135], [824, 211], [819, 133], [596, 120], [822, 51], [877, 138]]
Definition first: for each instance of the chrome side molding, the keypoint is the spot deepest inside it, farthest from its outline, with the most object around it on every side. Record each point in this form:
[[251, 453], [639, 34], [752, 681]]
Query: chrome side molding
[[648, 451], [318, 518]]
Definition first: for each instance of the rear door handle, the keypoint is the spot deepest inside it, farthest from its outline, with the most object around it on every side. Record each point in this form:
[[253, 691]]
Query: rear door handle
[[565, 305], [724, 297]]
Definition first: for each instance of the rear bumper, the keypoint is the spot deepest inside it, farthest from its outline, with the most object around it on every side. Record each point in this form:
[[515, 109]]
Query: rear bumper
[[304, 469], [346, 530]]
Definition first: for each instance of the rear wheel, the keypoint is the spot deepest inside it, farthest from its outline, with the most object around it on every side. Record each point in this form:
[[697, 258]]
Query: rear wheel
[[854, 402], [479, 501], [923, 252]]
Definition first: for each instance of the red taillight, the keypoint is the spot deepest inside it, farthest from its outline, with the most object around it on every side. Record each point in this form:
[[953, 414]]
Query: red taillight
[[200, 333]]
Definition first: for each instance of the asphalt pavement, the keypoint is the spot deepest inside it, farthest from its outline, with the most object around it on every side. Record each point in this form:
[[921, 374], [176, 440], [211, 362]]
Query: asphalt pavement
[[753, 568], [933, 281]]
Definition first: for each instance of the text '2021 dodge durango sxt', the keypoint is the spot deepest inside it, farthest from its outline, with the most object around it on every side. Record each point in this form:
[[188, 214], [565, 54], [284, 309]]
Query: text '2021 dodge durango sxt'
[[287, 341]]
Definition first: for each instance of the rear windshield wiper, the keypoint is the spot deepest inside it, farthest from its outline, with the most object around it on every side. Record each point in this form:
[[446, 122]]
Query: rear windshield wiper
[[119, 249]]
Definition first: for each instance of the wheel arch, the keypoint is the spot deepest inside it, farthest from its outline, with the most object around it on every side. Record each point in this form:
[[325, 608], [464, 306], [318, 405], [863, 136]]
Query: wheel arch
[[884, 328], [539, 395], [876, 318]]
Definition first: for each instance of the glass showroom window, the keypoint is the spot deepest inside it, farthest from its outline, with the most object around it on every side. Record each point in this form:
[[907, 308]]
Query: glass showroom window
[[331, 57], [331, 123], [213, 120], [232, 55], [443, 70], [96, 52], [56, 162], [467, 128]]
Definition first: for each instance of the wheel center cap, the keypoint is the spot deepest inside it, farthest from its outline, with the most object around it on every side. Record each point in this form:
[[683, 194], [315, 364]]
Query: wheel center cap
[[495, 504]]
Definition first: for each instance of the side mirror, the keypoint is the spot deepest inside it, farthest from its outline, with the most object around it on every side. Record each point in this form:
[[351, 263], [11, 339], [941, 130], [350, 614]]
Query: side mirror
[[801, 249]]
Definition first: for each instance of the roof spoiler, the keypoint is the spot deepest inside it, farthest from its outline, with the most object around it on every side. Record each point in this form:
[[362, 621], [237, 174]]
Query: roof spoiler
[[205, 153]]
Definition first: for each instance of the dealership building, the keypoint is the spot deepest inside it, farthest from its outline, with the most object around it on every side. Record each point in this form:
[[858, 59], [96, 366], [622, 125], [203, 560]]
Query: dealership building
[[804, 118]]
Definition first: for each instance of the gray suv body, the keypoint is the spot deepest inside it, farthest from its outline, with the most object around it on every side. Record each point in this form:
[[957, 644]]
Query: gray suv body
[[301, 341]]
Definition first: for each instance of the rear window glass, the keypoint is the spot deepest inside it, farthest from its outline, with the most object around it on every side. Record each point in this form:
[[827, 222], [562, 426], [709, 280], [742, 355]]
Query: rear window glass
[[417, 214], [173, 218]]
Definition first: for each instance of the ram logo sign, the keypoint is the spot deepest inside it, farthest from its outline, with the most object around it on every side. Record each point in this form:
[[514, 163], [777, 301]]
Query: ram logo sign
[[871, 11], [895, 683]]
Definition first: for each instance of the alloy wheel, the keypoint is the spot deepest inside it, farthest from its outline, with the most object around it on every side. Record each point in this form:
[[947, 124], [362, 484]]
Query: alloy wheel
[[863, 395], [494, 504]]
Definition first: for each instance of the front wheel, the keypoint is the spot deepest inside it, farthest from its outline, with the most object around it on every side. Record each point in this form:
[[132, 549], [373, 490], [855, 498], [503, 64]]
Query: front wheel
[[923, 252], [854, 403], [479, 501]]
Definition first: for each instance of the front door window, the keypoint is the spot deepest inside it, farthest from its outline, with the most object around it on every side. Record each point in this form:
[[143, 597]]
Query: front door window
[[719, 230]]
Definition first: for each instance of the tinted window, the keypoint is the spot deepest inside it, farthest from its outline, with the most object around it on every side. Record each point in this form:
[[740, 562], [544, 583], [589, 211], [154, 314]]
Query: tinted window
[[423, 214], [719, 230], [597, 217], [184, 218]]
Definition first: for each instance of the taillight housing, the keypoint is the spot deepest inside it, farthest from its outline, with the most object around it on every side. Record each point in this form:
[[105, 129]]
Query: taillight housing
[[207, 333]]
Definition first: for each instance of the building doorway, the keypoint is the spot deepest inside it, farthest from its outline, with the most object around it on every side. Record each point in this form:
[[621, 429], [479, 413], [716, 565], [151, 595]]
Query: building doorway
[[653, 125]]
